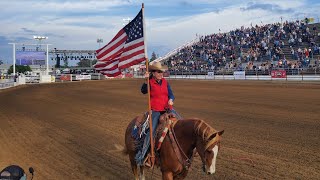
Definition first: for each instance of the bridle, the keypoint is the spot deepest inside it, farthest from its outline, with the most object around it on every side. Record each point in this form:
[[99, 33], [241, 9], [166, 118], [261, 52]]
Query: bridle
[[213, 141]]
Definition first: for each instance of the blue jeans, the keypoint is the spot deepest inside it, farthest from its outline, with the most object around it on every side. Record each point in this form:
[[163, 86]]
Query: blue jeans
[[140, 156]]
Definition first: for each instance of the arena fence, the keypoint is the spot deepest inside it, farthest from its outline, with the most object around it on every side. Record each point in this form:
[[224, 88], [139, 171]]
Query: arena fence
[[7, 82], [223, 74], [272, 74], [289, 71]]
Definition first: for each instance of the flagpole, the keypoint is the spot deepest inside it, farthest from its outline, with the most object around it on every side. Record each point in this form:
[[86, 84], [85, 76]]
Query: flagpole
[[149, 103]]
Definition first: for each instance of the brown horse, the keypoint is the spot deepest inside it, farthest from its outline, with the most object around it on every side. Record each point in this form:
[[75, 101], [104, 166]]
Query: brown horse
[[189, 134]]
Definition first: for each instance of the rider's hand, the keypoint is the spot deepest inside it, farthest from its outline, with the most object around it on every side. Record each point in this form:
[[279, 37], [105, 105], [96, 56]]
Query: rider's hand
[[170, 102], [146, 75]]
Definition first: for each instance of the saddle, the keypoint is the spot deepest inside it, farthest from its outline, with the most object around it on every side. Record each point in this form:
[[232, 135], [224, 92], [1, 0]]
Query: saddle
[[141, 125], [166, 121]]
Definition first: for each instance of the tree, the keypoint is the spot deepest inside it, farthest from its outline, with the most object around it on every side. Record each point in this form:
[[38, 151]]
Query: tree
[[153, 56], [307, 20], [86, 63], [1, 62], [19, 69]]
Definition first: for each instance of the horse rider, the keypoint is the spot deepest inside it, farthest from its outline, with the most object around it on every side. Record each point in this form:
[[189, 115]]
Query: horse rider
[[161, 99]]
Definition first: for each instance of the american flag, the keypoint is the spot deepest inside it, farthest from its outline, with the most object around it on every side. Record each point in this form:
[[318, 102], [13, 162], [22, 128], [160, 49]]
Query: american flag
[[124, 50]]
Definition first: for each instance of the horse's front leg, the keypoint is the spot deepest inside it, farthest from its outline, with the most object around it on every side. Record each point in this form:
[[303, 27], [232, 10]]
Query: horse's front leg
[[142, 176], [167, 175]]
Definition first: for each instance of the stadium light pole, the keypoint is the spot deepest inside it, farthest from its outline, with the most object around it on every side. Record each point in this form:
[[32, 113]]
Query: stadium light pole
[[14, 57], [99, 40], [40, 38], [47, 59]]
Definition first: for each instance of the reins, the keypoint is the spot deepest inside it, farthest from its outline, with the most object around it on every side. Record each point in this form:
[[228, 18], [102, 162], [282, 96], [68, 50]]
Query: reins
[[187, 162]]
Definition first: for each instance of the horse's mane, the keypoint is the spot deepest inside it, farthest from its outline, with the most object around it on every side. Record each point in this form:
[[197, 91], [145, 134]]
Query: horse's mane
[[203, 129]]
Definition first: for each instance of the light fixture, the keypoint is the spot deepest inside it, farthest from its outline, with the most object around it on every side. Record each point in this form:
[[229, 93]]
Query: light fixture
[[99, 40], [40, 37]]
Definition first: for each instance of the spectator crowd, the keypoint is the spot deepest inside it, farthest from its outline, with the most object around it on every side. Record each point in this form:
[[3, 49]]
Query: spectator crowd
[[278, 45]]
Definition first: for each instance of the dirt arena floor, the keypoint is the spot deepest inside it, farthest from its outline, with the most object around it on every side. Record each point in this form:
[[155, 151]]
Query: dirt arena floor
[[76, 130]]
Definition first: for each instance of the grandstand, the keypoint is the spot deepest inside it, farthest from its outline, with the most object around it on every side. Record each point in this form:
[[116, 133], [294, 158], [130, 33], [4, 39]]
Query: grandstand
[[291, 45]]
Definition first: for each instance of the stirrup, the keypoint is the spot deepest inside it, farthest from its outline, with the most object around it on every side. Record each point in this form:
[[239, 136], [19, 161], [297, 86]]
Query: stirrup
[[147, 162]]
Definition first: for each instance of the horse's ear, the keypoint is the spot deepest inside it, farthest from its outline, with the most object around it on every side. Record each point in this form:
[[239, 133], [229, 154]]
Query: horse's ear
[[221, 132]]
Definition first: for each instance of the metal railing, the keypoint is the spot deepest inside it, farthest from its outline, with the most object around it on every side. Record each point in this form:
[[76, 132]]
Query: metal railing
[[299, 74], [289, 71], [6, 81]]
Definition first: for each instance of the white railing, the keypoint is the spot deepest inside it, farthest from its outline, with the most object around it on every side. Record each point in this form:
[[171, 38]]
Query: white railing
[[6, 83], [291, 75]]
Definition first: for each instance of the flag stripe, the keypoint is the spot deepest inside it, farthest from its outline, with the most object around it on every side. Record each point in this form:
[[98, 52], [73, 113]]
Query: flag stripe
[[132, 61], [134, 44], [104, 64], [110, 66], [116, 39], [118, 50], [111, 73], [132, 54], [113, 50]]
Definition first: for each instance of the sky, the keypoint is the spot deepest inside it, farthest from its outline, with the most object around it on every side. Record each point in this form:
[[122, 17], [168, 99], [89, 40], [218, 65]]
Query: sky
[[77, 24]]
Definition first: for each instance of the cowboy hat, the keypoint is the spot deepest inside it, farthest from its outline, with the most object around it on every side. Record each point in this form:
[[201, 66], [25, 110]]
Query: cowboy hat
[[156, 66]]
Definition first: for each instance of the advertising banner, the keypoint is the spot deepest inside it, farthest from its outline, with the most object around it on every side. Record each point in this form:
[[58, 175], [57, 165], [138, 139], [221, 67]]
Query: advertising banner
[[239, 75], [278, 74], [83, 77], [65, 77], [128, 75], [211, 75]]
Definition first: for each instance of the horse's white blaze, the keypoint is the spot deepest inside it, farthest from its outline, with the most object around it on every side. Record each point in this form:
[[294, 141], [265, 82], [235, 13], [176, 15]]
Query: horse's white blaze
[[212, 168]]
